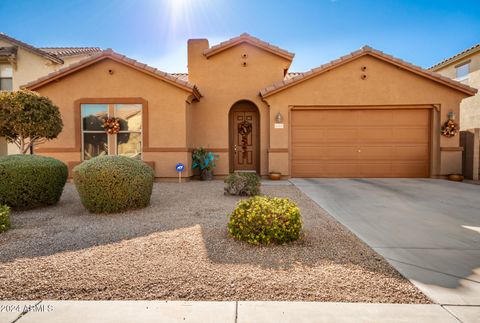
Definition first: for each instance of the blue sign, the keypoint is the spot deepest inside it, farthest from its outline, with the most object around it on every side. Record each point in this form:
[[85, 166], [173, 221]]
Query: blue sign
[[180, 167]]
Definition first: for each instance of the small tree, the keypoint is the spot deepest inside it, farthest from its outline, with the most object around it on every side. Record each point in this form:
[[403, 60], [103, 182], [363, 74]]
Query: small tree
[[28, 119]]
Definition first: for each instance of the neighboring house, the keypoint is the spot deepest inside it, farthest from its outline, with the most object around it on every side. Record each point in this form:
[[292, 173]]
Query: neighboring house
[[366, 114], [465, 67], [21, 63]]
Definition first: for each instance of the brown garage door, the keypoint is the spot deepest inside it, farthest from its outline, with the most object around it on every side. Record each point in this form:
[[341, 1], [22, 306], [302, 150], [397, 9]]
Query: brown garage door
[[360, 143]]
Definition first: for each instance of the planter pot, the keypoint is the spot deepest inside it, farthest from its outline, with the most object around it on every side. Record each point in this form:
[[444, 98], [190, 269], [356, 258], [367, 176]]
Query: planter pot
[[206, 175], [275, 176], [455, 177]]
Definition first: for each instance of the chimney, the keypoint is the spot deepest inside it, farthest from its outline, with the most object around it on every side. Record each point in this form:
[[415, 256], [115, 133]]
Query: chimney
[[196, 58]]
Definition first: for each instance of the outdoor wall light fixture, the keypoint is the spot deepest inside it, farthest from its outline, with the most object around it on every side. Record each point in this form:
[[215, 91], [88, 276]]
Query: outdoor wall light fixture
[[451, 115], [278, 118]]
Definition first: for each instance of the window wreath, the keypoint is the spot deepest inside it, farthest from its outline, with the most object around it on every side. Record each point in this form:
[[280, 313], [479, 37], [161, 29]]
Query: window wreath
[[450, 129], [244, 129], [111, 125]]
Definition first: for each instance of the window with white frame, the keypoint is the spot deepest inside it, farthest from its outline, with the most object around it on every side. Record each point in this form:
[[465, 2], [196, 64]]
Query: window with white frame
[[462, 70], [96, 141], [6, 77]]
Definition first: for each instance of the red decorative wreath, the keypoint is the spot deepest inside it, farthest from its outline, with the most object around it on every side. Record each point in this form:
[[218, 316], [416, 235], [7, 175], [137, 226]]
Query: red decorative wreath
[[111, 125], [450, 129]]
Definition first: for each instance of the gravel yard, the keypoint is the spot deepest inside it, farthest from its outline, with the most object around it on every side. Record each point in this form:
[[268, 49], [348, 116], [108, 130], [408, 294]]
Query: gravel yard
[[178, 249]]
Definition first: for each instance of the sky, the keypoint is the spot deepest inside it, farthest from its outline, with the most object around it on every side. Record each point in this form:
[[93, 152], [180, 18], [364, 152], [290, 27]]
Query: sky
[[156, 31]]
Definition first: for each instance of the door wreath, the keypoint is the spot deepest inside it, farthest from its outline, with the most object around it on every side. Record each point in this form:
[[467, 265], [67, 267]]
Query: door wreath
[[450, 129], [244, 129]]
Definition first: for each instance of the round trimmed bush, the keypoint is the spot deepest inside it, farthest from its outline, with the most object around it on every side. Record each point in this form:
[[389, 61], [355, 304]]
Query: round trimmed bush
[[262, 220], [28, 181], [109, 184]]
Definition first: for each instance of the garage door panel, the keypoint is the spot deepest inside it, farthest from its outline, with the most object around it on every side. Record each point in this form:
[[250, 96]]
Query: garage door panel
[[411, 117], [340, 134], [410, 135], [379, 153], [372, 135], [341, 169], [308, 135], [312, 118], [373, 117], [309, 153], [414, 153], [410, 169], [341, 152], [375, 170], [360, 143], [306, 169]]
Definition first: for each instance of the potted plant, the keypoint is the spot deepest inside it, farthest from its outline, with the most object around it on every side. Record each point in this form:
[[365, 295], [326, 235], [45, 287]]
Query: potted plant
[[205, 161]]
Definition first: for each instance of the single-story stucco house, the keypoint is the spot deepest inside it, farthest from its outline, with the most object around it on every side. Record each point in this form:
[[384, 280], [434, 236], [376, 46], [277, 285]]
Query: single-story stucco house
[[366, 114]]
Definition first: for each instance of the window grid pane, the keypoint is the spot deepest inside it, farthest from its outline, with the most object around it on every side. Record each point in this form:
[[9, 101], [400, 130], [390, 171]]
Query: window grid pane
[[6, 84], [462, 71], [96, 141]]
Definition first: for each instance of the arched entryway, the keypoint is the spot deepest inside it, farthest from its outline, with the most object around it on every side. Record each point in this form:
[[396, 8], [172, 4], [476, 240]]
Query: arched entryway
[[244, 134]]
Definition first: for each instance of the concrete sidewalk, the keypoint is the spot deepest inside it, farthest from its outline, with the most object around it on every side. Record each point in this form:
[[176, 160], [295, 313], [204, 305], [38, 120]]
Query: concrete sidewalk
[[241, 312]]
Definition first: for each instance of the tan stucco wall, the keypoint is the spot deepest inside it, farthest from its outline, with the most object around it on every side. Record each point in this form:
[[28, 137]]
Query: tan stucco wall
[[30, 67], [470, 107], [223, 80], [385, 85], [167, 111]]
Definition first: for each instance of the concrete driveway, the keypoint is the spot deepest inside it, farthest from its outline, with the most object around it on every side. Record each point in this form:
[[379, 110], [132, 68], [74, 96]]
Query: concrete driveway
[[429, 230]]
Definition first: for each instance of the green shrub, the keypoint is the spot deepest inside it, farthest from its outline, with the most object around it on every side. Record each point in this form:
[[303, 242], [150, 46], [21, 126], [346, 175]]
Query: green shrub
[[109, 184], [4, 218], [247, 184], [28, 181], [262, 220]]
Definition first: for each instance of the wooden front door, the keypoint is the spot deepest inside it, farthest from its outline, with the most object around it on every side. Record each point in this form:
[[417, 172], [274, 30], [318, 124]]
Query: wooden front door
[[244, 137]]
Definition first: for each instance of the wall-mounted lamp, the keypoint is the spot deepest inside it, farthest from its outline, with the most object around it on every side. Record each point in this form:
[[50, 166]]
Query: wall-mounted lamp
[[278, 118], [451, 115]]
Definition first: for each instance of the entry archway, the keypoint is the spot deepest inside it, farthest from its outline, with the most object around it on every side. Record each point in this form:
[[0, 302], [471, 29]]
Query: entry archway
[[244, 137]]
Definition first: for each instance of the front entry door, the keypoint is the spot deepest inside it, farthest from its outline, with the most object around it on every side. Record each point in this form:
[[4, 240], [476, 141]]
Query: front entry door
[[244, 137]]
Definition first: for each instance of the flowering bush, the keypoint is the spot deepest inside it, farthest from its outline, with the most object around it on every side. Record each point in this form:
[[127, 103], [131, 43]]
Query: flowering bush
[[262, 220]]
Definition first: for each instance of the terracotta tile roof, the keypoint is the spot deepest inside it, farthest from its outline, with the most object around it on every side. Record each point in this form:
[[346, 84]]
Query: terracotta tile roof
[[292, 75], [366, 50], [110, 54], [180, 76], [184, 76], [31, 48], [71, 51], [456, 57], [8, 51], [246, 38]]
